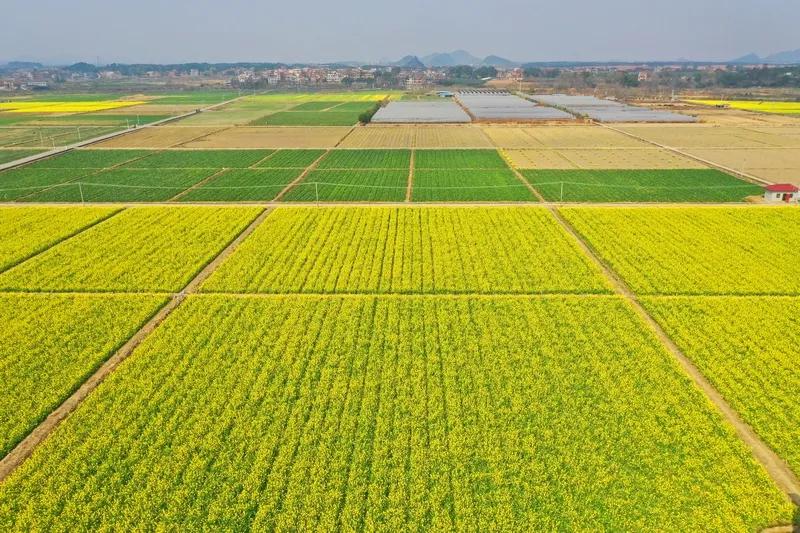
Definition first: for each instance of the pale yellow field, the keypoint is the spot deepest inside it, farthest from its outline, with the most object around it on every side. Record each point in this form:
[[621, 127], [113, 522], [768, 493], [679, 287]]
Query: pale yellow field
[[708, 136], [551, 136], [735, 117], [272, 137], [324, 97], [722, 117], [538, 158], [373, 136], [226, 117], [380, 137], [773, 164], [451, 137], [158, 137], [27, 106], [511, 137], [787, 108], [631, 158]]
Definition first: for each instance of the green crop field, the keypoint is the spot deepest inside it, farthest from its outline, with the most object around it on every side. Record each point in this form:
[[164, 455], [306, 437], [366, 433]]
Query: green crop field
[[89, 159], [374, 413], [14, 119], [664, 185], [145, 249], [452, 185], [747, 347], [201, 159], [51, 344], [25, 232], [696, 250], [366, 159], [291, 159], [358, 107], [98, 119], [401, 250], [196, 97], [243, 185], [309, 118], [351, 185], [315, 106], [459, 159], [21, 183], [7, 156], [125, 185], [50, 136]]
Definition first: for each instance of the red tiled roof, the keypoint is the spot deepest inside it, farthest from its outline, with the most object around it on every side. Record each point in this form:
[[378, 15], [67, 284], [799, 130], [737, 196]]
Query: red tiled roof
[[782, 187]]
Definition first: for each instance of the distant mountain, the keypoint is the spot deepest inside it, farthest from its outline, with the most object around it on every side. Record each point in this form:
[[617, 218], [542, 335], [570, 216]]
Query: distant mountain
[[410, 62], [749, 59], [452, 59], [461, 58], [788, 57], [21, 65], [497, 61]]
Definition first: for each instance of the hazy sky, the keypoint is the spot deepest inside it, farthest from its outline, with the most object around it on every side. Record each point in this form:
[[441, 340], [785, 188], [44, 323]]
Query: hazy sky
[[145, 31]]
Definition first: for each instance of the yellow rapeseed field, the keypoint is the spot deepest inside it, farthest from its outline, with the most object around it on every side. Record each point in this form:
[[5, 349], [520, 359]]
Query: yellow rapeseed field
[[784, 108], [64, 107]]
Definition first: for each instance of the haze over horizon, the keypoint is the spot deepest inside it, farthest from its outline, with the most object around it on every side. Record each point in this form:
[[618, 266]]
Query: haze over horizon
[[357, 30]]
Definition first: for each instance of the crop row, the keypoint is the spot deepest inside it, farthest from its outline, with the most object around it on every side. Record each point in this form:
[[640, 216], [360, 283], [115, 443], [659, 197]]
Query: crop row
[[309, 118], [25, 232], [365, 413], [663, 185], [449, 185], [51, 344], [13, 155], [696, 250], [380, 185], [688, 251], [398, 250], [747, 348], [140, 250]]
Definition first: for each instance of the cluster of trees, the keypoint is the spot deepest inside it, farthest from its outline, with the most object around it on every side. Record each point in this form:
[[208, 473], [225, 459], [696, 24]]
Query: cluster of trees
[[143, 68], [686, 78]]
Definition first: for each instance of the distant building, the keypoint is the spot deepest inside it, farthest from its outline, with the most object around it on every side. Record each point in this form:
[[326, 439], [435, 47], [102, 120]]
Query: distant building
[[644, 76], [414, 83], [781, 192]]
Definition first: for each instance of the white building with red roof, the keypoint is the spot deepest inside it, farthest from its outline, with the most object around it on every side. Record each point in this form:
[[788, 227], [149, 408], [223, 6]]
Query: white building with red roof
[[781, 192]]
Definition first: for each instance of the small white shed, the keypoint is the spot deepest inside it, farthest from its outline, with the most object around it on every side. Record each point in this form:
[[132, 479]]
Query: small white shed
[[781, 192]]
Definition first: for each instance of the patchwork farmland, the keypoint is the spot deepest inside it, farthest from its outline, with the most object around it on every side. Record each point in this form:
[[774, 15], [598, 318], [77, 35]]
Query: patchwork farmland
[[270, 315]]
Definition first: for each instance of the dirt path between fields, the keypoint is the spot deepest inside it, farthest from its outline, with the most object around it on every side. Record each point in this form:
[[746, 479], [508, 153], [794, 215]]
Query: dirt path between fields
[[28, 445]]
